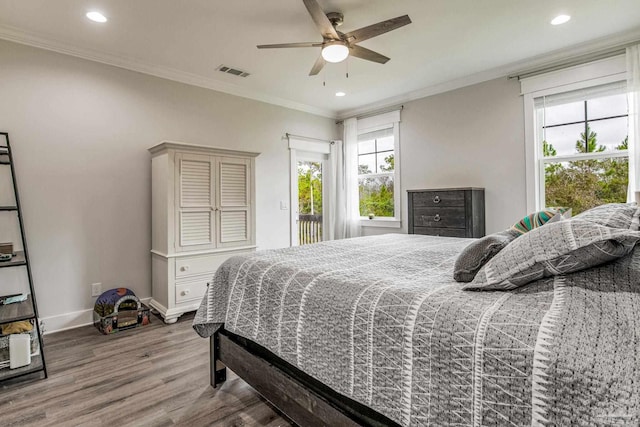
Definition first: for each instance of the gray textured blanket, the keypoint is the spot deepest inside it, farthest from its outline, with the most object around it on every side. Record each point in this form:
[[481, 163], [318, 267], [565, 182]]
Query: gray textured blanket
[[380, 319]]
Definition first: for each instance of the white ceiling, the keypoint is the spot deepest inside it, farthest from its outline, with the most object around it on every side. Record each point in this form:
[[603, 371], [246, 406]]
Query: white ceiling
[[448, 44]]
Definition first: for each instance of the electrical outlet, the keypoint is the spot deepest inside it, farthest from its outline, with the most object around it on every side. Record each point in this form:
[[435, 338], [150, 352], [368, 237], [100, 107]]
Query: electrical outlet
[[96, 289]]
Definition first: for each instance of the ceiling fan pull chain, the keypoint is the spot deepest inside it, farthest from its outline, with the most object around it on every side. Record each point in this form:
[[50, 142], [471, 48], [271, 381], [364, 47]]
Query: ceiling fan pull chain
[[347, 61]]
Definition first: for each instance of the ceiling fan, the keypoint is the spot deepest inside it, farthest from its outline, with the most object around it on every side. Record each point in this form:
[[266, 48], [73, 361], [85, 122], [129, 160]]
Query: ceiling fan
[[337, 46]]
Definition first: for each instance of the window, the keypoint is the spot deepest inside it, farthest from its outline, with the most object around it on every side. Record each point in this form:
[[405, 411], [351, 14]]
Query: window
[[558, 98], [581, 140], [378, 154], [376, 173]]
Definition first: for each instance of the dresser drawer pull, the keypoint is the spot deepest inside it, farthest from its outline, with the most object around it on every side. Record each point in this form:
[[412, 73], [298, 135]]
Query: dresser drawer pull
[[184, 268], [436, 218], [186, 292], [436, 199]]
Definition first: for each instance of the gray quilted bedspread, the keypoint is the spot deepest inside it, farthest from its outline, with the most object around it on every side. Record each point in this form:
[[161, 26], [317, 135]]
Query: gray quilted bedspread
[[380, 319]]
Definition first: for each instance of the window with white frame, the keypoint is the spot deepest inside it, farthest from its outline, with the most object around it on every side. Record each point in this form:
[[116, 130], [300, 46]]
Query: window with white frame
[[581, 143], [376, 173], [378, 176]]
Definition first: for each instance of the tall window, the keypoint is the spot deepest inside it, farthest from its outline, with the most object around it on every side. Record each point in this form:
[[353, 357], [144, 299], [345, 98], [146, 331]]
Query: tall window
[[378, 156], [582, 142], [377, 173]]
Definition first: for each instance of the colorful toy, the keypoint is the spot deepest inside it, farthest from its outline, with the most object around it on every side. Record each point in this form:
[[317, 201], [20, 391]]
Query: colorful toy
[[119, 309]]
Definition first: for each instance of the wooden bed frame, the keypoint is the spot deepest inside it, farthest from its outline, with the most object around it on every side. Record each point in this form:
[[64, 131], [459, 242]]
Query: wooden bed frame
[[303, 399]]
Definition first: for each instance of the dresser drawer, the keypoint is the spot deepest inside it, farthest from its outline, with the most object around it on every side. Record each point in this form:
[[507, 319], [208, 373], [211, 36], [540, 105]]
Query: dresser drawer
[[444, 232], [193, 289], [199, 264], [438, 198], [453, 217]]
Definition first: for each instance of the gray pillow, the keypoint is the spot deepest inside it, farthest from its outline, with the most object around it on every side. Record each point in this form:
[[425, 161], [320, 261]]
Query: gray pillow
[[555, 249], [615, 215], [474, 256]]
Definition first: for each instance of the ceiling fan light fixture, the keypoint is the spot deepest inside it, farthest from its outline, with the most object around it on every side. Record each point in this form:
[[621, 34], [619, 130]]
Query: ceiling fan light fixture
[[335, 52]]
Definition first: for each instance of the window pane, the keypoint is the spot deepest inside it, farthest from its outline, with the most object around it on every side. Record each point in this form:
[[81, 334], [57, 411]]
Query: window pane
[[385, 144], [563, 138], [564, 113], [309, 188], [386, 162], [607, 106], [365, 147], [376, 196], [581, 185], [366, 164], [610, 133]]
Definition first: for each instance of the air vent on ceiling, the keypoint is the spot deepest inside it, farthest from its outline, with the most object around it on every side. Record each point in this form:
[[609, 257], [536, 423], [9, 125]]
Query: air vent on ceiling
[[233, 71]]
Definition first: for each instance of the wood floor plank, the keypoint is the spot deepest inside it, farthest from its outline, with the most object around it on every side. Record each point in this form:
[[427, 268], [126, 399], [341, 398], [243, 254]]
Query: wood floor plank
[[156, 376]]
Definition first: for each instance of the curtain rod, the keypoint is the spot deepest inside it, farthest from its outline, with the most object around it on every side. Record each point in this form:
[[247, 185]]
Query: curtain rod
[[574, 61], [289, 135], [374, 113]]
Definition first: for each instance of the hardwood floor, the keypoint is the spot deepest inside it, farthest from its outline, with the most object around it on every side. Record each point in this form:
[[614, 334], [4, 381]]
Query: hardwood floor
[[156, 375]]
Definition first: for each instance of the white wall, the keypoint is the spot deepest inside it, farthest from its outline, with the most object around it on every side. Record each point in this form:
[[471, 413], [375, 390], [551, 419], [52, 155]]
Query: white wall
[[470, 137], [80, 132]]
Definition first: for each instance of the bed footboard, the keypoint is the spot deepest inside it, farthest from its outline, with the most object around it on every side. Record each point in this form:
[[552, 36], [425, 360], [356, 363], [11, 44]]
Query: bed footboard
[[300, 397]]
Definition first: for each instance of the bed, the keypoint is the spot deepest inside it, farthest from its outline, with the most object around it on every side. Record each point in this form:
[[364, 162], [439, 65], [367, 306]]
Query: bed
[[375, 331]]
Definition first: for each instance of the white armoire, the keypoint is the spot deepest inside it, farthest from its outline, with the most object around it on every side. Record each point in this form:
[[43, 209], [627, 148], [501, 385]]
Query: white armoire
[[203, 212]]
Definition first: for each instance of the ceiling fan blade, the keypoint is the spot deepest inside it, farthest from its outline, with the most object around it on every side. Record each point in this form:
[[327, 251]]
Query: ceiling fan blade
[[369, 55], [275, 46], [317, 66], [365, 33], [321, 20]]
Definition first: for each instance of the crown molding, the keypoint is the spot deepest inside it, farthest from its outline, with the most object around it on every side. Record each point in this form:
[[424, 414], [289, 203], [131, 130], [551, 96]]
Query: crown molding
[[551, 59], [37, 40], [525, 66]]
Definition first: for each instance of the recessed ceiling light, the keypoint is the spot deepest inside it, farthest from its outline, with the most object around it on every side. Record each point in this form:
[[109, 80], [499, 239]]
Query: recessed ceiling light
[[560, 19], [96, 17], [340, 93]]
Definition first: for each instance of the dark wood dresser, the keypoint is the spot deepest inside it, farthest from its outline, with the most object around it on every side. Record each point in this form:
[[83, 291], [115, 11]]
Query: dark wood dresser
[[450, 212]]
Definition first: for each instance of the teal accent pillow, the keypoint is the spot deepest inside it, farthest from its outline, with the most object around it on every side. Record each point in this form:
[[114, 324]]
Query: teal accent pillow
[[540, 218]]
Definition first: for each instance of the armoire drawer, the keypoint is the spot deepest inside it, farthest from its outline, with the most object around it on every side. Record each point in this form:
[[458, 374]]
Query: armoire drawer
[[199, 264], [192, 290], [453, 217]]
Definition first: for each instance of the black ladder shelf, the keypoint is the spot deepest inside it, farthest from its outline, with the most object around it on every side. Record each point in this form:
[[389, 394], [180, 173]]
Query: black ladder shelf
[[28, 309]]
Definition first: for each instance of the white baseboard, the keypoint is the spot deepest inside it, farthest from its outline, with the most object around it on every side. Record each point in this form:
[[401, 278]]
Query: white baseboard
[[75, 319]]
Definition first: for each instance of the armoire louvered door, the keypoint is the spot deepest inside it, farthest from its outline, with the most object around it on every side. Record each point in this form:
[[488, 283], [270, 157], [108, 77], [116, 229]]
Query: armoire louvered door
[[196, 211], [234, 201]]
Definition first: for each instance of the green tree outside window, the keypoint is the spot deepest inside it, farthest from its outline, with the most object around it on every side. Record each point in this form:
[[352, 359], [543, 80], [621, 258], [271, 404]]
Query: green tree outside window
[[584, 184], [376, 192]]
